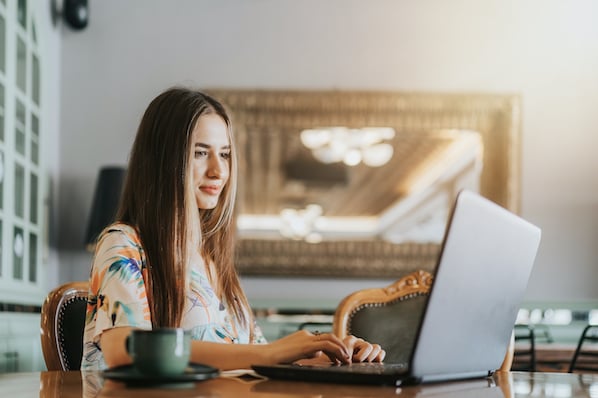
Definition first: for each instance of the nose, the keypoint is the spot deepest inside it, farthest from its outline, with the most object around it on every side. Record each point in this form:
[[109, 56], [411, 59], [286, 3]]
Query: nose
[[215, 167]]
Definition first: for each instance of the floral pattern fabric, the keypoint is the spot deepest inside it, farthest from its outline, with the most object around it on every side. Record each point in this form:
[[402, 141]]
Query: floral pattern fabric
[[117, 298]]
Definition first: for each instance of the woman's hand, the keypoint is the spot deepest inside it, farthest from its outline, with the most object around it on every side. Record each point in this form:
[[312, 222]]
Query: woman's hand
[[362, 351], [304, 344]]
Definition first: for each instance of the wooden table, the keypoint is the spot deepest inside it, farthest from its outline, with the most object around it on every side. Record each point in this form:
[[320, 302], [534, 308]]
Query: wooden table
[[554, 357], [501, 385]]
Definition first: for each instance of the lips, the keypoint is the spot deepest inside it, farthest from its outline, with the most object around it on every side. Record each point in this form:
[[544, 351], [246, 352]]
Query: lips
[[210, 189]]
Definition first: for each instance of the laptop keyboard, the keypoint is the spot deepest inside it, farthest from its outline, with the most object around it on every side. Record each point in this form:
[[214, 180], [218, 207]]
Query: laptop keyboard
[[360, 367]]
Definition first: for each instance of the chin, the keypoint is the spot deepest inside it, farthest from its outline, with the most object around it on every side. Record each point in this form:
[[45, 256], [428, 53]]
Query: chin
[[207, 204]]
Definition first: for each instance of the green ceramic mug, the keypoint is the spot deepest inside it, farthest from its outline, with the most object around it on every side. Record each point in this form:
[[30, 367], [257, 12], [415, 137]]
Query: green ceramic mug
[[160, 352]]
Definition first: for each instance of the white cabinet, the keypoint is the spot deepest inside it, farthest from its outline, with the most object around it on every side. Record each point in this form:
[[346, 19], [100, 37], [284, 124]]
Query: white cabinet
[[23, 210], [20, 345]]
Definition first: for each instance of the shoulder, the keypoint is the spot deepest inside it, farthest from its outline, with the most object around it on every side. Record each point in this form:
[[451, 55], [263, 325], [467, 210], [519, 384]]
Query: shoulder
[[119, 235], [118, 241], [120, 231]]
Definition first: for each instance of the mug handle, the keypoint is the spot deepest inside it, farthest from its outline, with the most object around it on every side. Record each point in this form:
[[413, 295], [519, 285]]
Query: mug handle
[[128, 346]]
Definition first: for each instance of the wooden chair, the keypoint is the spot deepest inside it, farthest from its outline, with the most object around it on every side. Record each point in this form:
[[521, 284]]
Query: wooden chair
[[585, 357], [395, 312], [62, 324], [390, 316]]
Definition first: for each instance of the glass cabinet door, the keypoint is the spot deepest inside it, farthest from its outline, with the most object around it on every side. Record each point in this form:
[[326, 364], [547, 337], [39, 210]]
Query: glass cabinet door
[[21, 176]]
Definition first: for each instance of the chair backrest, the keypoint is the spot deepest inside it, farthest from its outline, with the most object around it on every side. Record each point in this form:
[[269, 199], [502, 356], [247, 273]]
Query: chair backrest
[[389, 316], [585, 357], [62, 324], [525, 348]]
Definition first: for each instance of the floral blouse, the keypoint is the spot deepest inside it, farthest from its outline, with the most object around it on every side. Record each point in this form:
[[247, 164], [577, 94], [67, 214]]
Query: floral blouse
[[117, 297]]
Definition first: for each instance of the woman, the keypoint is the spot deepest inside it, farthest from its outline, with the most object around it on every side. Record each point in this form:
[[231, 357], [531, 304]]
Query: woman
[[168, 261]]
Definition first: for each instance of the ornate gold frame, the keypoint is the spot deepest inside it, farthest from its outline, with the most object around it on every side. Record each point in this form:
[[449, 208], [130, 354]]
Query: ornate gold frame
[[495, 116]]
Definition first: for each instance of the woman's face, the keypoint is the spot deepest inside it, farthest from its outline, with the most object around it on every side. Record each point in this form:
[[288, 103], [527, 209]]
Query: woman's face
[[210, 159]]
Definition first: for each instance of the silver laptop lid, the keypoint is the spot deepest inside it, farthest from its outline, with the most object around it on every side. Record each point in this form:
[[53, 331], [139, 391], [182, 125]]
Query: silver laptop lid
[[480, 280]]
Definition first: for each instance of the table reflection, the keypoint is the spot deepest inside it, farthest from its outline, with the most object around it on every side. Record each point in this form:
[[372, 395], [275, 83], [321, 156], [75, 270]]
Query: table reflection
[[557, 385], [92, 385], [501, 385]]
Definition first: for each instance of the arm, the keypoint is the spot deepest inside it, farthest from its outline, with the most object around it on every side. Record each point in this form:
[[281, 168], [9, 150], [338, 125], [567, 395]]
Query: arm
[[117, 301], [113, 343], [296, 346], [127, 290]]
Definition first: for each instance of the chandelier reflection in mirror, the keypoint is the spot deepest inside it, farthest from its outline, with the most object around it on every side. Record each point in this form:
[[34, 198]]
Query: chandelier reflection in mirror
[[300, 224], [350, 146]]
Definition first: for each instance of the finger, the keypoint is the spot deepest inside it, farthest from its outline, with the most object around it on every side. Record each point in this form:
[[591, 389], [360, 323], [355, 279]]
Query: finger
[[335, 361], [317, 341], [362, 352], [333, 339], [373, 355], [335, 350], [381, 356], [351, 341], [332, 358]]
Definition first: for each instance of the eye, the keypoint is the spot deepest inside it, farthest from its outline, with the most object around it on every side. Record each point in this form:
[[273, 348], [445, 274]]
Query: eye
[[199, 154], [225, 155]]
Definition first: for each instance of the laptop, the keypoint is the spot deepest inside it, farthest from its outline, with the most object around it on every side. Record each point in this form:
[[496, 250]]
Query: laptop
[[481, 275]]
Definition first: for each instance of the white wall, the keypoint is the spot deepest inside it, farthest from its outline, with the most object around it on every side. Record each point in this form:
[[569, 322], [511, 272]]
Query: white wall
[[545, 50]]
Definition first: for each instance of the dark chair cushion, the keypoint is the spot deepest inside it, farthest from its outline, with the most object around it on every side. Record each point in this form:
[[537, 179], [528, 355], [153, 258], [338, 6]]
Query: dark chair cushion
[[70, 331], [394, 326]]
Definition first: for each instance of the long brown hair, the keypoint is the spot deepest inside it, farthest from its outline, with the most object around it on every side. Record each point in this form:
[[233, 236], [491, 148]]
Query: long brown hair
[[157, 197]]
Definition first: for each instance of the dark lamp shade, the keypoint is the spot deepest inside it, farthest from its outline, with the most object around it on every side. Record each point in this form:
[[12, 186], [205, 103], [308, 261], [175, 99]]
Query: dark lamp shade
[[76, 13], [105, 202]]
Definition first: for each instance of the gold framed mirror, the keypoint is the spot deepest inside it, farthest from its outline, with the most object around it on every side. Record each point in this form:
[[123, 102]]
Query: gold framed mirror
[[441, 142]]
